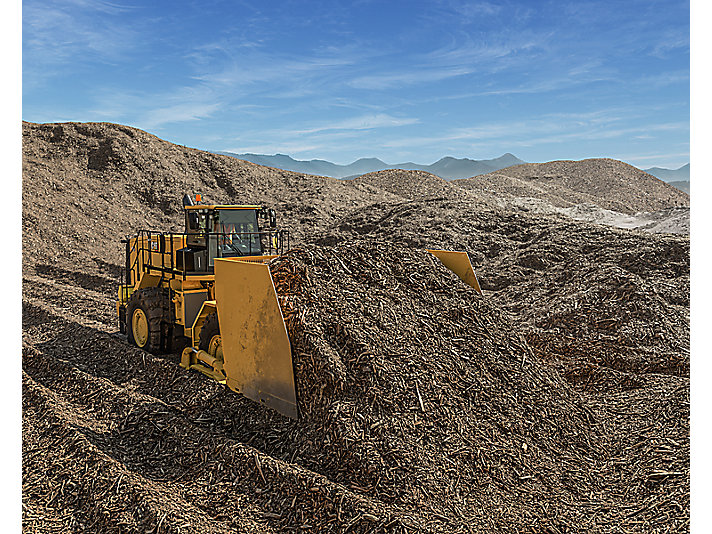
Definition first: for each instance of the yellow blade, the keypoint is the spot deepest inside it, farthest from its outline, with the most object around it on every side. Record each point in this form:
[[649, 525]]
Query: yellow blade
[[258, 356], [459, 263]]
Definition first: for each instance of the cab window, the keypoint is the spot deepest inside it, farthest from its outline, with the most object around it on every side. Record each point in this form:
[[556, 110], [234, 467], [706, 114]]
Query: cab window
[[238, 232]]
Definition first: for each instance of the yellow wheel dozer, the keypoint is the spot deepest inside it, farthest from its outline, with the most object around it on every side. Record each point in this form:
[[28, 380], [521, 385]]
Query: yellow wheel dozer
[[211, 288]]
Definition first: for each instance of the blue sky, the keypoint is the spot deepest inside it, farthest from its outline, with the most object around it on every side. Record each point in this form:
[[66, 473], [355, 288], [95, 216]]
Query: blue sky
[[401, 81]]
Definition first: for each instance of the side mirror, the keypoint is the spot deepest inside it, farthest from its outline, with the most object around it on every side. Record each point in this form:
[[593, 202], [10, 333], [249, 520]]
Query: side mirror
[[272, 219]]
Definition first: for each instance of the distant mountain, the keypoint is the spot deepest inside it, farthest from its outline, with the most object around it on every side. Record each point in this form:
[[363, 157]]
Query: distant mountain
[[452, 168], [671, 175], [448, 168], [682, 185]]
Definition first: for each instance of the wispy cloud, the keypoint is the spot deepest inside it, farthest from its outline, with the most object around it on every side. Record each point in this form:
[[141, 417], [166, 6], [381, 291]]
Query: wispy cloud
[[59, 35], [561, 130], [153, 111], [463, 56], [465, 12], [320, 140], [250, 70], [365, 122], [470, 51], [236, 75], [663, 79], [670, 41], [62, 32], [475, 9], [388, 80], [230, 78], [100, 5], [184, 111], [242, 63], [548, 129]]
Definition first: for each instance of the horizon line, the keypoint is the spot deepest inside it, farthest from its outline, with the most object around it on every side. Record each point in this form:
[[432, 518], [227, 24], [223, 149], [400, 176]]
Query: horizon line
[[524, 162]]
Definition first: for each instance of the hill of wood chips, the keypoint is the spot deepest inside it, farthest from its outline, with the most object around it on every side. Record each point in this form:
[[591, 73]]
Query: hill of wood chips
[[556, 402], [608, 183]]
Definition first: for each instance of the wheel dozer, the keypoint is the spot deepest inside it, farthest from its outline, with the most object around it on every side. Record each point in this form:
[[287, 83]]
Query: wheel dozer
[[210, 288]]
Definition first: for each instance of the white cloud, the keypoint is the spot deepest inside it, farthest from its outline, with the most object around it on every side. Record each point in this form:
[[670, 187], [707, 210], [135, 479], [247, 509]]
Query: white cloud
[[411, 77], [185, 111], [365, 122], [546, 130], [465, 12], [463, 56], [254, 67], [670, 41], [59, 35], [154, 110]]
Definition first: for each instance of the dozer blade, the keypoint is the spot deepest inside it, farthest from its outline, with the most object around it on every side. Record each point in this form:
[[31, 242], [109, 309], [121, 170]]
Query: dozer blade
[[256, 349], [458, 263]]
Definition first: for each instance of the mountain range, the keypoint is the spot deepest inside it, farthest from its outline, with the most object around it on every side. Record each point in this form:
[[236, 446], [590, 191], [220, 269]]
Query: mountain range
[[679, 178], [448, 168], [671, 175]]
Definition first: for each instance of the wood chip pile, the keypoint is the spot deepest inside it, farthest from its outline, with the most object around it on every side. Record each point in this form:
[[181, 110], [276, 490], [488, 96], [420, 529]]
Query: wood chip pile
[[412, 185], [608, 183], [422, 409], [584, 293], [416, 390], [557, 402]]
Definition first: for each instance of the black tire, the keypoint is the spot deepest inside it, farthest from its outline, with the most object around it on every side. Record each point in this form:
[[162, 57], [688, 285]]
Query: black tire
[[122, 320], [210, 328], [177, 340], [153, 303]]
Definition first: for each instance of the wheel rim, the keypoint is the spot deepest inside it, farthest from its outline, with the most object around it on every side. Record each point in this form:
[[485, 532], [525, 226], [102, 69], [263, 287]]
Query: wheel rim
[[139, 327], [215, 347]]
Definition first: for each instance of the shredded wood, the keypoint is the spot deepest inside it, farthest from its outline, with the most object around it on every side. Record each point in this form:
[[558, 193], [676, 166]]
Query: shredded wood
[[556, 402]]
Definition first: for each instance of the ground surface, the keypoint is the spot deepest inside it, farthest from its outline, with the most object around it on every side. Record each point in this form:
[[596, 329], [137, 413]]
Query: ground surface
[[556, 402]]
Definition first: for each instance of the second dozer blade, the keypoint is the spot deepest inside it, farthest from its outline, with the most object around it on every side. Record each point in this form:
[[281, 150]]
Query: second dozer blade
[[459, 263]]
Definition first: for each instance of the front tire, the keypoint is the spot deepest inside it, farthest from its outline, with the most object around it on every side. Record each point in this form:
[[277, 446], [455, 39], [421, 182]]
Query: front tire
[[210, 340], [145, 312]]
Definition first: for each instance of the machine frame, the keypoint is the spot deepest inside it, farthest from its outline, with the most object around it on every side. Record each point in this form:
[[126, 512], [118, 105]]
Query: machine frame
[[166, 298]]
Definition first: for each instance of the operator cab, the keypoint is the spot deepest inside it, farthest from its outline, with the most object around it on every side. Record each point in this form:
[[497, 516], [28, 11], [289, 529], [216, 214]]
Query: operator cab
[[223, 231]]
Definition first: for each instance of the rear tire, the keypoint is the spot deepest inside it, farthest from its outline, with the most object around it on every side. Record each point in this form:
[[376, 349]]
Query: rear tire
[[146, 310]]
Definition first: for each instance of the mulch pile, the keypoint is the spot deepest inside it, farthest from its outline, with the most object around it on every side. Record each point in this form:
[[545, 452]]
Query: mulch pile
[[580, 292], [412, 185], [422, 408], [112, 180], [118, 440], [417, 390], [608, 183], [556, 402]]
